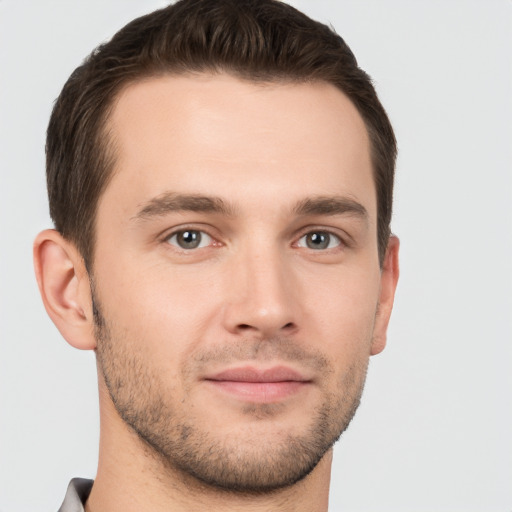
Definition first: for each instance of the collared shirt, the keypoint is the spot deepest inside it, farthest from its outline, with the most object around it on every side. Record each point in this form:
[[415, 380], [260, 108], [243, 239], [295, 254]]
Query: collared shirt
[[76, 495]]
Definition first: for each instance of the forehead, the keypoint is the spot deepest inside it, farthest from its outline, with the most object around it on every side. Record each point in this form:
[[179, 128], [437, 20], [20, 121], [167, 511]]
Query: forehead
[[219, 135]]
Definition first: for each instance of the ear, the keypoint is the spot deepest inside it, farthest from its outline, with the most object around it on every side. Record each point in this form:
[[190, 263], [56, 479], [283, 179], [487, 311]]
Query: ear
[[65, 288], [388, 282]]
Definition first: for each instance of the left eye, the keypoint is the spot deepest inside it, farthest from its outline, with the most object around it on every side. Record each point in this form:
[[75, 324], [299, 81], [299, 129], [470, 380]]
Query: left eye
[[319, 240], [190, 239]]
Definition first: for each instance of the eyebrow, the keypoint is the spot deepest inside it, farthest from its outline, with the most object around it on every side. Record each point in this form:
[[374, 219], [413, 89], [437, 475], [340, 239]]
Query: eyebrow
[[331, 205], [170, 202]]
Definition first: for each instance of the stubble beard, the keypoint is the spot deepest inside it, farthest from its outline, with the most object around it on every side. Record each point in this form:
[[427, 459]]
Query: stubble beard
[[245, 464]]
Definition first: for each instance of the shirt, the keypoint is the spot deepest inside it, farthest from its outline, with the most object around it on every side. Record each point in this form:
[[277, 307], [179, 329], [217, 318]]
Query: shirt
[[76, 495]]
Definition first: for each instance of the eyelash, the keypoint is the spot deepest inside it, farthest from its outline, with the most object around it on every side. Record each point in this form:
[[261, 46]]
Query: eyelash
[[339, 241], [202, 234], [323, 233]]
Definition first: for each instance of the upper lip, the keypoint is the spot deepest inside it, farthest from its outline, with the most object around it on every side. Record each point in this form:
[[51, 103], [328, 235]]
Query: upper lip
[[252, 374]]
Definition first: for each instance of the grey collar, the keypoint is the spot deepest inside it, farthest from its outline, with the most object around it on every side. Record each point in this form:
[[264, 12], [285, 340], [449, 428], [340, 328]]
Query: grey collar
[[76, 495]]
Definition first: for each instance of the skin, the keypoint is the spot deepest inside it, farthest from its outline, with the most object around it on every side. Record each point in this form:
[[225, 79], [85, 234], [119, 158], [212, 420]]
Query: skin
[[286, 163]]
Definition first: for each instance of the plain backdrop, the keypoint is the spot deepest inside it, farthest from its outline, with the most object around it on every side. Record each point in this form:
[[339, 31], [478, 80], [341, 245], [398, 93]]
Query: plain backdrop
[[434, 431]]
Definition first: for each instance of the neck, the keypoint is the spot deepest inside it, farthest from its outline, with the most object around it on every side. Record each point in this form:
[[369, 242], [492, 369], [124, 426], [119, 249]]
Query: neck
[[131, 478]]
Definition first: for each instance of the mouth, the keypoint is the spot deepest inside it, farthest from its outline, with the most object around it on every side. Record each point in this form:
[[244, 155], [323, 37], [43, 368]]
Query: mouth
[[256, 385]]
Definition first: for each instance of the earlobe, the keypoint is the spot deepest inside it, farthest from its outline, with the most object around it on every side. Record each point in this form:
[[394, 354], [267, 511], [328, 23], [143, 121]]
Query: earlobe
[[389, 281], [64, 286]]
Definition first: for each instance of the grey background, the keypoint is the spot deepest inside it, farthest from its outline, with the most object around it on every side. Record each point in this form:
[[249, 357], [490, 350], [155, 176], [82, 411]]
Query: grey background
[[434, 431]]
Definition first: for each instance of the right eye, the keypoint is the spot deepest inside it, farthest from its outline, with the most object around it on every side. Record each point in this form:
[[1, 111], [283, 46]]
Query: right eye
[[188, 239]]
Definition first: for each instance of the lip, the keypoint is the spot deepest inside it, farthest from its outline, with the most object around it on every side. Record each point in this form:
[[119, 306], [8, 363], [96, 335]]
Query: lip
[[269, 385]]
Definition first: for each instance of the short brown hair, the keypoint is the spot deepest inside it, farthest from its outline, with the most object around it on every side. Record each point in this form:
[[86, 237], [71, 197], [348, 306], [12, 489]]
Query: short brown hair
[[257, 40]]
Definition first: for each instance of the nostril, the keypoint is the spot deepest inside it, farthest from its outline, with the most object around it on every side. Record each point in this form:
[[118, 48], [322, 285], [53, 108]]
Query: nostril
[[247, 327], [289, 328]]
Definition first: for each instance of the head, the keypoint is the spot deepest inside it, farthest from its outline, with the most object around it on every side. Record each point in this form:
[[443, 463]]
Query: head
[[220, 176], [266, 41]]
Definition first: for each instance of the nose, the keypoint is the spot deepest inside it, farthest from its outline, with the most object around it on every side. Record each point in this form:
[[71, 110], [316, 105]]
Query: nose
[[263, 299]]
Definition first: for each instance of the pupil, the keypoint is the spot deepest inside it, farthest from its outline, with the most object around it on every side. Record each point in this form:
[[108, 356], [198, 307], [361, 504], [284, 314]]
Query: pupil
[[318, 240], [189, 239]]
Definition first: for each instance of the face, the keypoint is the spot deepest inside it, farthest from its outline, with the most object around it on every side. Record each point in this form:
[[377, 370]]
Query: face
[[236, 274]]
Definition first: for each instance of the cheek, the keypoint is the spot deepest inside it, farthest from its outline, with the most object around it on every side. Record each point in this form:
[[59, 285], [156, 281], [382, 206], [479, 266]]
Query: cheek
[[343, 310], [173, 309], [166, 311]]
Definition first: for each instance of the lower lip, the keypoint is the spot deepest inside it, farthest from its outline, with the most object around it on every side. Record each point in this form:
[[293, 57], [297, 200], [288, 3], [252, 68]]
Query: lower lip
[[259, 392]]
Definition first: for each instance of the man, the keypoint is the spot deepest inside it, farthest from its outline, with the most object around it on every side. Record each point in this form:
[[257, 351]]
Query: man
[[220, 177]]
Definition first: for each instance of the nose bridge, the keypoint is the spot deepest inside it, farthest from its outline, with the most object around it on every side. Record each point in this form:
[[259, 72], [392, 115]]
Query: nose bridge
[[262, 291]]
